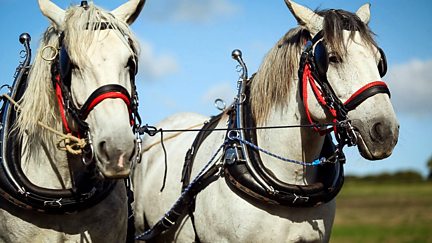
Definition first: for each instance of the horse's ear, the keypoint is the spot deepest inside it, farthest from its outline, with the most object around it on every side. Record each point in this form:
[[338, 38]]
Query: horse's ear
[[53, 12], [364, 13], [306, 17], [129, 11]]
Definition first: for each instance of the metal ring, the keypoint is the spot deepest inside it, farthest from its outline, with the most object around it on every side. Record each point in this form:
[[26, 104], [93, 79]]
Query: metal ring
[[242, 98], [23, 54], [239, 68], [233, 134], [220, 104], [53, 48], [6, 86]]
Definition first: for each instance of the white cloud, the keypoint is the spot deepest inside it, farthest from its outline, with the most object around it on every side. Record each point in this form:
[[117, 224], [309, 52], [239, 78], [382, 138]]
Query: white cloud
[[154, 66], [192, 10], [411, 87], [224, 91]]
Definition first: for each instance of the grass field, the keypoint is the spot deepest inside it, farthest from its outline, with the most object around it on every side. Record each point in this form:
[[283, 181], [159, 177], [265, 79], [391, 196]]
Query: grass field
[[383, 212]]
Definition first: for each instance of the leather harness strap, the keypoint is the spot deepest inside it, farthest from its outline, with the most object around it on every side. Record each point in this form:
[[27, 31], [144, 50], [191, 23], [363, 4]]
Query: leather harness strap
[[186, 203], [239, 177]]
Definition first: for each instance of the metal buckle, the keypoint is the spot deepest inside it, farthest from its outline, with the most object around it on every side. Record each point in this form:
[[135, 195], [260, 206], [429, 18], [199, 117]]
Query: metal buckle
[[233, 135], [297, 197], [232, 154], [166, 220], [347, 133], [88, 150], [54, 203], [138, 149]]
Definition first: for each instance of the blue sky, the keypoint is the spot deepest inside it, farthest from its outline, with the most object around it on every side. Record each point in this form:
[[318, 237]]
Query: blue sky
[[186, 58]]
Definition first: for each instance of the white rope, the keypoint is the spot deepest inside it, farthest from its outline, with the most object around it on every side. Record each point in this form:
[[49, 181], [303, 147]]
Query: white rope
[[67, 142]]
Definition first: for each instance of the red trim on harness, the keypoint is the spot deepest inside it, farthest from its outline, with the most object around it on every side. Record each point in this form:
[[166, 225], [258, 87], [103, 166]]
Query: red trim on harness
[[307, 76], [362, 89], [60, 102]]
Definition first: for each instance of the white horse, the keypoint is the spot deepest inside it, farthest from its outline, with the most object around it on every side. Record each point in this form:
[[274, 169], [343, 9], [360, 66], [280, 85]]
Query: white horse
[[81, 83], [263, 198]]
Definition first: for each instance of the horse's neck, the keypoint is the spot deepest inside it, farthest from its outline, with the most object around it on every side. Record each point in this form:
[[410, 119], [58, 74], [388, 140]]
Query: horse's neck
[[47, 167], [302, 144]]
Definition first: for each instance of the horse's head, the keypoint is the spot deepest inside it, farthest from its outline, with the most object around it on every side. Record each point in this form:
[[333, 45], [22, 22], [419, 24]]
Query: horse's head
[[347, 66], [96, 66]]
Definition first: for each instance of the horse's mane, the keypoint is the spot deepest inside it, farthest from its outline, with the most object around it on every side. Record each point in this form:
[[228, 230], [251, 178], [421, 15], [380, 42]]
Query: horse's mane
[[276, 75], [39, 101]]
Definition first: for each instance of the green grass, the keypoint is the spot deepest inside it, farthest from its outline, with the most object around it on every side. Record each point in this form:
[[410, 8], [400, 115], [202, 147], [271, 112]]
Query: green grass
[[383, 212]]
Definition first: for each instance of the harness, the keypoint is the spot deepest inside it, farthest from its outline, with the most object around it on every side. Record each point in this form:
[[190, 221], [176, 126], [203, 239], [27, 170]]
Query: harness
[[88, 188], [242, 166], [61, 79], [15, 186], [246, 174]]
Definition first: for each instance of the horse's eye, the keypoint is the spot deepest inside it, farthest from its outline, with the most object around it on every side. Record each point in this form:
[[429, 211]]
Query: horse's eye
[[73, 66], [334, 59]]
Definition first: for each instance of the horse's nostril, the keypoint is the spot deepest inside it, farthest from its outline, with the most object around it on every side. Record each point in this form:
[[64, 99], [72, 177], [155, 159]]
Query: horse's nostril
[[103, 150], [378, 132]]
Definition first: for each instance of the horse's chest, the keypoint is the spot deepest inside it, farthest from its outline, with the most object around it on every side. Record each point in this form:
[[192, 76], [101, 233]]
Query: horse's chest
[[105, 222], [226, 217]]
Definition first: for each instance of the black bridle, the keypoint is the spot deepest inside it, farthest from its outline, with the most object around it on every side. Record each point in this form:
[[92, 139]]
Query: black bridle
[[61, 70], [313, 71], [15, 187]]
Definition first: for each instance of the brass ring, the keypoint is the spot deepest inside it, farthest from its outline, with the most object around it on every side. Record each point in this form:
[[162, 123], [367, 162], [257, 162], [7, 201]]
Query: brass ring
[[53, 48]]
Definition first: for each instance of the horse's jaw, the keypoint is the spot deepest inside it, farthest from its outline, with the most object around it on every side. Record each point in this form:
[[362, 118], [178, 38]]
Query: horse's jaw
[[114, 174]]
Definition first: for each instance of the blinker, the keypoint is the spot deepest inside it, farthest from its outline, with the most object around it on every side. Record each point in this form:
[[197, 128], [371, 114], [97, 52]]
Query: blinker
[[65, 64], [321, 59]]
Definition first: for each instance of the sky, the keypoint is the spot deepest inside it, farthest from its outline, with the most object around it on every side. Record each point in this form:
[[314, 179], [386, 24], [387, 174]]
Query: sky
[[186, 62]]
